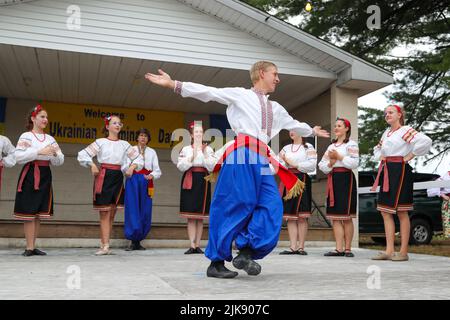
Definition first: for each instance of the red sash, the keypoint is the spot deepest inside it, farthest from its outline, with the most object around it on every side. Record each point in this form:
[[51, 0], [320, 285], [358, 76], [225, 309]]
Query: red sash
[[37, 173], [282, 186], [187, 182], [150, 185], [385, 187], [293, 185], [100, 179], [330, 188]]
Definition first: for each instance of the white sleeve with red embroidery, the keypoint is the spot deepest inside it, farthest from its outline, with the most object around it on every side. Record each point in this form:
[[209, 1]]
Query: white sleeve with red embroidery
[[205, 94], [285, 121], [25, 152], [309, 165], [184, 162], [8, 157], [156, 171], [421, 144], [210, 159], [131, 156], [323, 164], [86, 155], [57, 160], [351, 159], [435, 192], [377, 148], [280, 154]]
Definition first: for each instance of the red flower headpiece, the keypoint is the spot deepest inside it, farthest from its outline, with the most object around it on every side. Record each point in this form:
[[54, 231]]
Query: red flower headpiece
[[193, 124], [107, 120], [36, 110]]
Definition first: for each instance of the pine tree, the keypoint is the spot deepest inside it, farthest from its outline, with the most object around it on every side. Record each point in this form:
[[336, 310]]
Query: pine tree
[[422, 79]]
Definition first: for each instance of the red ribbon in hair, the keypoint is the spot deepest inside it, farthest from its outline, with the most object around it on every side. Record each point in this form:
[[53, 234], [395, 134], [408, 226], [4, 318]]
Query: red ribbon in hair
[[346, 122], [107, 120], [36, 110], [192, 124], [399, 110]]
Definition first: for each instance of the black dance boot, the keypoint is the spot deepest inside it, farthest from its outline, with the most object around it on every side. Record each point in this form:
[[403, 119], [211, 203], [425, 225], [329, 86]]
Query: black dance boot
[[130, 246], [37, 252], [199, 250], [217, 269], [137, 245], [244, 261], [28, 253]]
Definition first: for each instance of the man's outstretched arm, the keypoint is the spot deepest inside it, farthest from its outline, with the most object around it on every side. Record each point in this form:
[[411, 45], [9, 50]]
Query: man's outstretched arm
[[163, 79], [197, 91]]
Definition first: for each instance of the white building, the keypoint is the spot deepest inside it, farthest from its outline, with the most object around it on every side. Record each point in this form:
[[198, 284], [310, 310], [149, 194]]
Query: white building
[[96, 52]]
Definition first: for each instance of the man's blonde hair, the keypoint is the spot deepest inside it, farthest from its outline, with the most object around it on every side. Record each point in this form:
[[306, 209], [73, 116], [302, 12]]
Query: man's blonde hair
[[260, 65]]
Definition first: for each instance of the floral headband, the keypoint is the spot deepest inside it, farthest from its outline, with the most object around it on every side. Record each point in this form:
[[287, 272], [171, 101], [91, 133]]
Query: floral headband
[[36, 110], [399, 110], [193, 124], [107, 120]]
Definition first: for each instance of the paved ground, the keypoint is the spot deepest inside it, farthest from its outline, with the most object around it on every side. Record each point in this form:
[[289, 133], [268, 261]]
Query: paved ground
[[168, 274]]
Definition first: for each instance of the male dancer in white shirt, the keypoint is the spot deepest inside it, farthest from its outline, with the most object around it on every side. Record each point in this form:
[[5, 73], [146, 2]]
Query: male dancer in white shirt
[[246, 206]]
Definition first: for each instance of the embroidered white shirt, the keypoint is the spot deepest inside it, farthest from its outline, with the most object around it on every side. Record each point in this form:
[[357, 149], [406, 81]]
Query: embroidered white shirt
[[433, 192], [203, 159], [30, 144], [111, 152], [248, 112], [302, 158], [349, 151], [150, 161], [7, 157], [402, 142]]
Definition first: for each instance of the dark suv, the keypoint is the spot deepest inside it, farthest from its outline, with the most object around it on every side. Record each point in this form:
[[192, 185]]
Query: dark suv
[[426, 217]]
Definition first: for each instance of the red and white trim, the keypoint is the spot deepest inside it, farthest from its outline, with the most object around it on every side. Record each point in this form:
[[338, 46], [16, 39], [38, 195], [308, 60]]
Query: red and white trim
[[409, 135], [32, 217], [304, 215], [190, 215], [93, 149], [178, 87], [380, 144], [266, 112], [341, 217]]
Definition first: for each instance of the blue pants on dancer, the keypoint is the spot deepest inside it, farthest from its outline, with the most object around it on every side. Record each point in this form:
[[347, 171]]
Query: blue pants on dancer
[[246, 208], [138, 208]]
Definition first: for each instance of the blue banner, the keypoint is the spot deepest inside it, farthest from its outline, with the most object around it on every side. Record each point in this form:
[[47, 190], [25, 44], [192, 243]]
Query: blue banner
[[219, 121]]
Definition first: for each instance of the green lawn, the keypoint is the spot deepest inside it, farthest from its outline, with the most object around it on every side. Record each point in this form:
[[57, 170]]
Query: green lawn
[[438, 247]]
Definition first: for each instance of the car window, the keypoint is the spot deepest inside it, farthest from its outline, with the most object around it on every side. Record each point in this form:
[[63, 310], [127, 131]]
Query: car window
[[423, 177]]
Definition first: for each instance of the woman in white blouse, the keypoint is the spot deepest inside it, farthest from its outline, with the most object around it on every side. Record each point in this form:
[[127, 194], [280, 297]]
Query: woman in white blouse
[[195, 196], [341, 157], [398, 145], [139, 190], [300, 158], [115, 157], [34, 197], [7, 157], [444, 193]]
